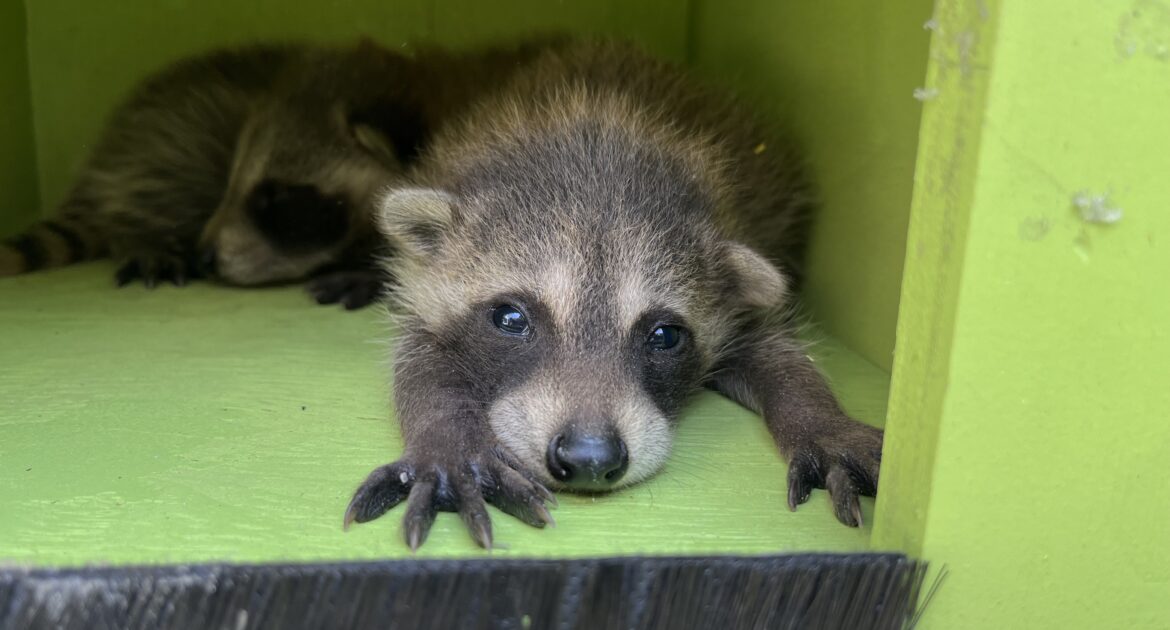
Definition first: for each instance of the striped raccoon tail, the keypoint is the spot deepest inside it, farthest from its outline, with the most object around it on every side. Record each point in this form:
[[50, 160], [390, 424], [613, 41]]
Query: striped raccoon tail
[[55, 242]]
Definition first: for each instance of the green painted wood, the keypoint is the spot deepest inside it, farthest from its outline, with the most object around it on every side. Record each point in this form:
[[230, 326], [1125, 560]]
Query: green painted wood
[[204, 423], [660, 25], [1047, 493], [19, 203], [841, 74], [945, 181]]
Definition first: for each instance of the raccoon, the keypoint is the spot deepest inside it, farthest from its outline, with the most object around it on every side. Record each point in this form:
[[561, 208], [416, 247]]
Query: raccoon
[[302, 195], [252, 165], [337, 127], [577, 256]]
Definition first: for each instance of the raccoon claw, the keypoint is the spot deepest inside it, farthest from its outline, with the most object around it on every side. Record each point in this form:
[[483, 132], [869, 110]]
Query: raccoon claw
[[383, 489], [152, 269], [420, 514], [465, 488], [353, 289], [845, 462], [843, 491], [519, 495]]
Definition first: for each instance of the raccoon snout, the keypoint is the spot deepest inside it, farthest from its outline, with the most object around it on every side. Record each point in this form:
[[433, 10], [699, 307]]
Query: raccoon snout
[[584, 461]]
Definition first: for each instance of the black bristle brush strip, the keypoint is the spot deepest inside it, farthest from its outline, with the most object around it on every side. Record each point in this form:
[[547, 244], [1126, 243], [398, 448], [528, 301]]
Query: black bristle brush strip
[[851, 591]]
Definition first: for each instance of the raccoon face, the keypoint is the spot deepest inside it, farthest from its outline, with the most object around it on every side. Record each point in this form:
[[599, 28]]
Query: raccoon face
[[585, 338], [593, 407], [300, 193]]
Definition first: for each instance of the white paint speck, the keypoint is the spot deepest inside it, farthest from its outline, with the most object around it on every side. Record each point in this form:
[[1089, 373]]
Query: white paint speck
[[1096, 208], [931, 25], [1145, 29], [925, 94]]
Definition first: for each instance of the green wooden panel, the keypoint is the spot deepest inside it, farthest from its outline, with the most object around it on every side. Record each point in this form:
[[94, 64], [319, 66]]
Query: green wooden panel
[[205, 423], [660, 25], [841, 74], [18, 174], [944, 183], [1047, 494]]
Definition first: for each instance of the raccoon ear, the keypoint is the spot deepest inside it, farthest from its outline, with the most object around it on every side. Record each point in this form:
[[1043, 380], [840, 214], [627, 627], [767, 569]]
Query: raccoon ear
[[414, 219], [760, 284], [373, 142], [392, 132]]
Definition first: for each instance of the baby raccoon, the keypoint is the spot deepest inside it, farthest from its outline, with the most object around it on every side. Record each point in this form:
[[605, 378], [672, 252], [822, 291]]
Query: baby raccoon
[[309, 161], [312, 159], [254, 165], [578, 256]]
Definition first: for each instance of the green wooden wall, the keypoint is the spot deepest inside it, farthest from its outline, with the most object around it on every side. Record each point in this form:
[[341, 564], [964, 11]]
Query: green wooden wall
[[18, 172], [841, 75], [1028, 437]]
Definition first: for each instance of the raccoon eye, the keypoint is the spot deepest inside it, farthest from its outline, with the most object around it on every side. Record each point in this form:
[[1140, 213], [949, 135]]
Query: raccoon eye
[[509, 319], [664, 337]]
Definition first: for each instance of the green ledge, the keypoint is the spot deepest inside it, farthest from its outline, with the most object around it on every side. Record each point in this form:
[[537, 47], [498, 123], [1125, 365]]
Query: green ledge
[[210, 424]]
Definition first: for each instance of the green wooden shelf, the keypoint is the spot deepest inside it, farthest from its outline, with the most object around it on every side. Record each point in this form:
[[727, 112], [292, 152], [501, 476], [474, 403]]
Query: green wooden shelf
[[211, 424]]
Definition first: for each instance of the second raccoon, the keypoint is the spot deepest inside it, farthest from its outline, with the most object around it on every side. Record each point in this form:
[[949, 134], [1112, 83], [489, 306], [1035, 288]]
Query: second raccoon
[[312, 160], [162, 167], [254, 165]]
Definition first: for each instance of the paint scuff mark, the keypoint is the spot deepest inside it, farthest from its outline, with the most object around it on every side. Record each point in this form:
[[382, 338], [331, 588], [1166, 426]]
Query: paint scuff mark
[[965, 46], [931, 25], [1096, 208], [925, 94], [1144, 29], [1082, 246], [1035, 228]]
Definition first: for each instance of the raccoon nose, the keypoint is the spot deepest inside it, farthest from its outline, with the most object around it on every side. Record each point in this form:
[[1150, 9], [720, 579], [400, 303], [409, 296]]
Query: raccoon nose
[[206, 261], [587, 461]]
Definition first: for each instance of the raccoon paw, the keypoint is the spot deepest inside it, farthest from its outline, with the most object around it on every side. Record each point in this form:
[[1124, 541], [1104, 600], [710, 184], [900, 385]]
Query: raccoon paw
[[844, 460], [154, 268], [461, 484], [353, 289]]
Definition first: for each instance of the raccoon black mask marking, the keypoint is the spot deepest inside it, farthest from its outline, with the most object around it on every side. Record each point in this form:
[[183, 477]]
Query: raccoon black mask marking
[[298, 218]]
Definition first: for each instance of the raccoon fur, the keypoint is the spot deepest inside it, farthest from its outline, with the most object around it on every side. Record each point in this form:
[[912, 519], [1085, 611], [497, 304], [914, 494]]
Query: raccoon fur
[[576, 257], [302, 193], [253, 165]]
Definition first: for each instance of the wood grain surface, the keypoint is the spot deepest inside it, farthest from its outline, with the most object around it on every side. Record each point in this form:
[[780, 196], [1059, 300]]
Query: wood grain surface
[[211, 424]]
